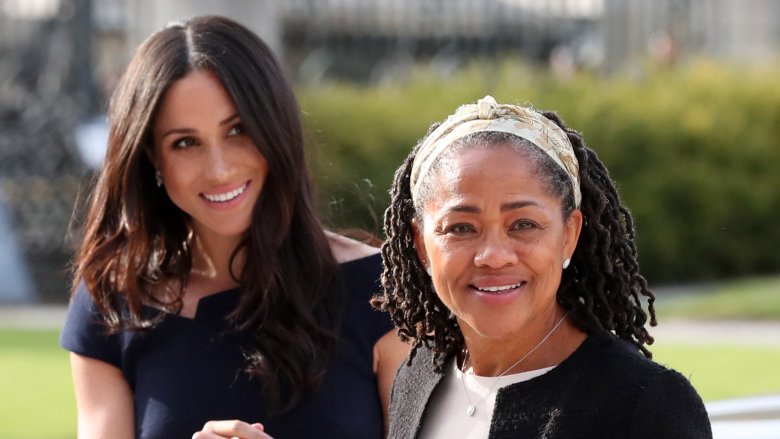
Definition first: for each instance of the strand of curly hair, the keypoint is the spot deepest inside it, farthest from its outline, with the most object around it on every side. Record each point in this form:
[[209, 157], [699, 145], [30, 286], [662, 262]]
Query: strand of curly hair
[[603, 288]]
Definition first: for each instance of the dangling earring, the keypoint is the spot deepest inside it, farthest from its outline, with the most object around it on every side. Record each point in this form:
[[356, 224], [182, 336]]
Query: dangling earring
[[566, 263], [158, 178]]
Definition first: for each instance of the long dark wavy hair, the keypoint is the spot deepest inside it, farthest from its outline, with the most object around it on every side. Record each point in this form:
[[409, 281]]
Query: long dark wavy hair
[[602, 289], [135, 238]]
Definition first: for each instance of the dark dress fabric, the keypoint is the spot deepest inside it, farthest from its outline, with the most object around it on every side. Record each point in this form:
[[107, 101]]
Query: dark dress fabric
[[185, 372], [606, 389]]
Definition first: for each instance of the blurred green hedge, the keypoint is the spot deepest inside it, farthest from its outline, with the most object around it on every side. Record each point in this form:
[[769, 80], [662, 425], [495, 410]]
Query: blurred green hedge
[[694, 150]]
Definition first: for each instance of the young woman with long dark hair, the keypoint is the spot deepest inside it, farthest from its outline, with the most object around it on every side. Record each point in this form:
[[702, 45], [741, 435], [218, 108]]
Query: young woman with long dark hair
[[205, 285]]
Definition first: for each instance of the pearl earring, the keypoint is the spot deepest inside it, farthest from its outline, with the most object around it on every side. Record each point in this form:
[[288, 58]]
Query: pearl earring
[[158, 178], [566, 263]]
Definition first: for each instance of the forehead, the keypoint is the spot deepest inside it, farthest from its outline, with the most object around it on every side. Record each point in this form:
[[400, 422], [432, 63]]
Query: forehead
[[480, 174], [199, 94]]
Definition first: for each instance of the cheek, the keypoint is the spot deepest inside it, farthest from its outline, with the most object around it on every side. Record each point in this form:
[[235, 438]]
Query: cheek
[[177, 175], [537, 250], [546, 260], [448, 261], [252, 155], [180, 178], [435, 252]]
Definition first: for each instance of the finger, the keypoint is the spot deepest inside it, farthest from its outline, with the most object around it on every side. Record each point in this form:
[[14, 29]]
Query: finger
[[233, 428], [259, 427]]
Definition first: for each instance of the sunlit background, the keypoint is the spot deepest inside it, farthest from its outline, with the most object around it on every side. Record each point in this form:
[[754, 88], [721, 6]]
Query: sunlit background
[[680, 98]]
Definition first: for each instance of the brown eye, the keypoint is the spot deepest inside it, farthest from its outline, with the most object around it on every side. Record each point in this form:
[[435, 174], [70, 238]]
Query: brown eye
[[184, 142], [524, 225], [460, 229], [236, 130]]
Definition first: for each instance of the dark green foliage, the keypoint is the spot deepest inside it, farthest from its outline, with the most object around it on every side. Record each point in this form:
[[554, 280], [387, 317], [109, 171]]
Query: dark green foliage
[[694, 151]]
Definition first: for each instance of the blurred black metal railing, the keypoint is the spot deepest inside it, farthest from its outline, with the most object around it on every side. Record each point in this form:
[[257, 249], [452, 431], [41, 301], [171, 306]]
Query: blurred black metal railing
[[45, 90]]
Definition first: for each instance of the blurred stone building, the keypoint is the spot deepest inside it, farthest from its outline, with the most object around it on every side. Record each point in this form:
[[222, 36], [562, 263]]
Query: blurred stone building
[[375, 39]]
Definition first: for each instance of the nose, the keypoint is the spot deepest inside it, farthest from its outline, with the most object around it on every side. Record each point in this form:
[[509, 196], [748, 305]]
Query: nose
[[496, 250], [218, 167]]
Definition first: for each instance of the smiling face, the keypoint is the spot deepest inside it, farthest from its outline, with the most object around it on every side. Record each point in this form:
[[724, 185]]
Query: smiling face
[[494, 240], [211, 169]]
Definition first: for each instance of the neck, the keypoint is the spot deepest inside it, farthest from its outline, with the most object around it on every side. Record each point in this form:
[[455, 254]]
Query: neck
[[211, 264], [491, 357]]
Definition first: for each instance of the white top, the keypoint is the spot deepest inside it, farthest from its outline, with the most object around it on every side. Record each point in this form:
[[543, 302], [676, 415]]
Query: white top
[[446, 416]]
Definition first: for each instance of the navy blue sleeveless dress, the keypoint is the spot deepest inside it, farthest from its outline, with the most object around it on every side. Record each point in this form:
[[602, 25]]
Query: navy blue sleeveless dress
[[185, 372]]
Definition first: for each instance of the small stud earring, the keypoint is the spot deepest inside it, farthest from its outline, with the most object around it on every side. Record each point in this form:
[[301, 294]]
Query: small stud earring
[[566, 263], [158, 178]]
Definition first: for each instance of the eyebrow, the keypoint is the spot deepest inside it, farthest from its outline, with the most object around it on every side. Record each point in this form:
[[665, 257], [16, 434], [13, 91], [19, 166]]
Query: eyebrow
[[224, 121], [465, 208], [229, 119]]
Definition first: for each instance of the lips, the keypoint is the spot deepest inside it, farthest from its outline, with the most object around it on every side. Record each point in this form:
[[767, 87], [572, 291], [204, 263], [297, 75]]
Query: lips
[[497, 287], [226, 196]]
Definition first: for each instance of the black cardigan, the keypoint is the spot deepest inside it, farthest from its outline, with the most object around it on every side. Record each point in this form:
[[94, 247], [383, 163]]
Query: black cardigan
[[605, 389]]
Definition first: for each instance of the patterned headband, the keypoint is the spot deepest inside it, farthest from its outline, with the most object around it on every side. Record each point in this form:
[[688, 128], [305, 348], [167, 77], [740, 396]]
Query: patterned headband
[[487, 115]]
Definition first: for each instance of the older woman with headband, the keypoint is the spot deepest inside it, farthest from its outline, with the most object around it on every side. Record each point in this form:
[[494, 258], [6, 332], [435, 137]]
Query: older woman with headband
[[511, 266]]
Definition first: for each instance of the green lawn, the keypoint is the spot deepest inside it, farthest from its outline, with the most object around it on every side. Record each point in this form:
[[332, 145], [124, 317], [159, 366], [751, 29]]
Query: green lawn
[[748, 299], [38, 402], [37, 397], [724, 371]]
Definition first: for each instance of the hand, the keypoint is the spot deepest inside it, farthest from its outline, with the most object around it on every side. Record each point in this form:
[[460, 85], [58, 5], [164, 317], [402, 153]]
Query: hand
[[231, 429]]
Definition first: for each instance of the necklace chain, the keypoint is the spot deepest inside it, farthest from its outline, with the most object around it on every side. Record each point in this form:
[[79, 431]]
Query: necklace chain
[[472, 408]]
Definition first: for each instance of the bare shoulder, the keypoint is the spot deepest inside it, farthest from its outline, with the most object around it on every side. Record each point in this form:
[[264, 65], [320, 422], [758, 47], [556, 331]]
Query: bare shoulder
[[389, 353], [348, 249], [390, 345]]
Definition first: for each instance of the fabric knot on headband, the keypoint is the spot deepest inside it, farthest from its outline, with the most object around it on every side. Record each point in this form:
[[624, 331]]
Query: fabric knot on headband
[[488, 115]]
